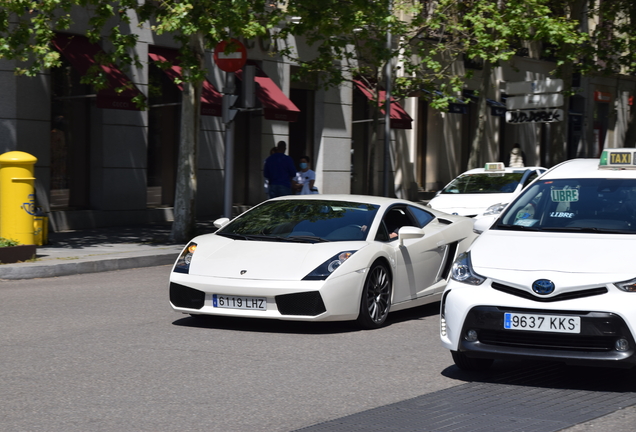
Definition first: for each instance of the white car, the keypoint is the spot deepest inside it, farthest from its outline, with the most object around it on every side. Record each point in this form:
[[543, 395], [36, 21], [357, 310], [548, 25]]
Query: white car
[[484, 190], [553, 278], [320, 258]]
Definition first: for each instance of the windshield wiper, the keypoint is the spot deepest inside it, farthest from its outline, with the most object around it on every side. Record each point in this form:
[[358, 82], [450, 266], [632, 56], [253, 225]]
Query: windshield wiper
[[516, 227], [264, 237], [232, 235], [257, 237], [589, 230], [571, 229], [306, 239]]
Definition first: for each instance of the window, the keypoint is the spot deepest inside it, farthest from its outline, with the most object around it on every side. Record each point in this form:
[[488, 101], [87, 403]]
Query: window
[[423, 217]]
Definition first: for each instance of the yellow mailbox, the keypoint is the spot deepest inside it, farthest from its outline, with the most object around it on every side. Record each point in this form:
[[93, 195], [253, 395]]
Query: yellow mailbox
[[17, 196]]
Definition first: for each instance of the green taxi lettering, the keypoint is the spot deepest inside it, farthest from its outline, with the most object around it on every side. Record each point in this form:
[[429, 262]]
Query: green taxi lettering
[[565, 195]]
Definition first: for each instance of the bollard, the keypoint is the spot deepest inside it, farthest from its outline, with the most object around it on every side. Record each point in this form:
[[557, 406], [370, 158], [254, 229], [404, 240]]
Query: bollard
[[40, 229], [17, 197]]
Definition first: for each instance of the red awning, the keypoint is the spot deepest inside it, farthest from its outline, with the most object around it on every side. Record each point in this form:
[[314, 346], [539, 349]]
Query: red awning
[[276, 106], [211, 99], [81, 53], [400, 119]]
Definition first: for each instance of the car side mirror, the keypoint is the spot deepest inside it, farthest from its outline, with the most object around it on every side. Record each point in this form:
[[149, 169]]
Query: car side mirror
[[221, 222], [483, 223], [409, 232]]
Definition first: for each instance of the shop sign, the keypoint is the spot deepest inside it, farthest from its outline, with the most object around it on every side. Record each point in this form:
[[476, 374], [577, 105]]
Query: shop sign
[[534, 116]]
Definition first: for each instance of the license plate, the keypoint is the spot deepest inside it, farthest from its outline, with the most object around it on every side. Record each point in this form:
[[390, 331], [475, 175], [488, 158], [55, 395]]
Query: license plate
[[544, 323], [236, 302]]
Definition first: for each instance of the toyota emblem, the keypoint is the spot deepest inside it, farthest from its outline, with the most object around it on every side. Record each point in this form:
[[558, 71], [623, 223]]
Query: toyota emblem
[[543, 287], [243, 272]]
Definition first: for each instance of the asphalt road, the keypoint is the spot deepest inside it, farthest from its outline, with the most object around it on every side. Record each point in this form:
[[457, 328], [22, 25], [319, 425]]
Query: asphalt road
[[104, 352]]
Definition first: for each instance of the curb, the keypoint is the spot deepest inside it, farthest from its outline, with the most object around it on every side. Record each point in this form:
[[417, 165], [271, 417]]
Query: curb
[[43, 270]]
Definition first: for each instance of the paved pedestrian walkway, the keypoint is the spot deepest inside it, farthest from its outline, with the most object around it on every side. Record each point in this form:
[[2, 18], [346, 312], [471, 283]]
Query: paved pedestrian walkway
[[101, 249]]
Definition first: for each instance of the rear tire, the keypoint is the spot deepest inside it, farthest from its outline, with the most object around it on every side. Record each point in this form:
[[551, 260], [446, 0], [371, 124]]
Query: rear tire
[[376, 297], [470, 364]]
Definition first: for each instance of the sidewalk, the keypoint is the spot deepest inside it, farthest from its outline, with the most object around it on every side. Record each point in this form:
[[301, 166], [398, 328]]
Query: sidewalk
[[101, 249]]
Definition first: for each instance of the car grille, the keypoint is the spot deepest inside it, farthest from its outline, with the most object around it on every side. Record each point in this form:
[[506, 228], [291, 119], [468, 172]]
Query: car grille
[[186, 297], [559, 297], [542, 340], [599, 331], [306, 303]]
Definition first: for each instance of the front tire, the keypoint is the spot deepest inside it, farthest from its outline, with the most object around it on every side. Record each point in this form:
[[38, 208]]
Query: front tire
[[376, 297], [470, 364]]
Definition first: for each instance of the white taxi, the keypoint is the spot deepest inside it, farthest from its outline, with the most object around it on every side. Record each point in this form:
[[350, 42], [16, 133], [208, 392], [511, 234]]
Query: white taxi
[[552, 278], [484, 190]]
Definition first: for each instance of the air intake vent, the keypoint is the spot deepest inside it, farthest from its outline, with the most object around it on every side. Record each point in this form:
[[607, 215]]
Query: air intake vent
[[185, 297], [307, 303], [541, 340]]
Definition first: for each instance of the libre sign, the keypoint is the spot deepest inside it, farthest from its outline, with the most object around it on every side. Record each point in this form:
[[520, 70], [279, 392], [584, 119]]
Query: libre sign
[[232, 60]]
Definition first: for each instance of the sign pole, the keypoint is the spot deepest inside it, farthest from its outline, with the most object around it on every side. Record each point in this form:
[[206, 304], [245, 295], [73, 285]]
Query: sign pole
[[230, 62], [229, 145]]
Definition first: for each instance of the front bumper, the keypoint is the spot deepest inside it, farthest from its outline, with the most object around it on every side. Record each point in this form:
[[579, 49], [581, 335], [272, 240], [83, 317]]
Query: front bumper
[[335, 299], [463, 309], [595, 343]]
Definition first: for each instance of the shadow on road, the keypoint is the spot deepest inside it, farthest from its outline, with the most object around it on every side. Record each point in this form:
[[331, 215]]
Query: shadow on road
[[300, 327], [550, 375]]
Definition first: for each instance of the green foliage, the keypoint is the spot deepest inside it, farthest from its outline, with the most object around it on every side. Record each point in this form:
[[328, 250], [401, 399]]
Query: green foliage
[[28, 26], [4, 242], [428, 38]]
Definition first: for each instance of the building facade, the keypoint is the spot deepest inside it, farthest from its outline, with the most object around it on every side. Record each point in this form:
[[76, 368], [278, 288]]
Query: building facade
[[102, 161]]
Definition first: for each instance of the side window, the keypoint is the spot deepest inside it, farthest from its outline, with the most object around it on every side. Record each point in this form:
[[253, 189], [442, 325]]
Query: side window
[[423, 217], [395, 218]]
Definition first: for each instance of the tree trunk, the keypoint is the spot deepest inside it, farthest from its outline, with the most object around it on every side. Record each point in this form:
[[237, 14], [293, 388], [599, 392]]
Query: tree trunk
[[558, 141], [183, 227], [372, 161], [482, 113]]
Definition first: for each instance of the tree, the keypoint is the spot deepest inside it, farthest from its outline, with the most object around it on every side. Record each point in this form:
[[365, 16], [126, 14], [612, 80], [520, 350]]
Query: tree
[[428, 38], [350, 42], [28, 26], [492, 31]]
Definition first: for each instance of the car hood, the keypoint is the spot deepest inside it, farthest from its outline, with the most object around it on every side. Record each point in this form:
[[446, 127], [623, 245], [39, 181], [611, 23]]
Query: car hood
[[217, 256], [468, 204], [556, 252]]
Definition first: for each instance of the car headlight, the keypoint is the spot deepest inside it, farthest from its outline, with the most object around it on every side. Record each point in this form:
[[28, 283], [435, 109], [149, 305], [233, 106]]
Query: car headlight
[[627, 286], [462, 271], [325, 269], [495, 209], [183, 262]]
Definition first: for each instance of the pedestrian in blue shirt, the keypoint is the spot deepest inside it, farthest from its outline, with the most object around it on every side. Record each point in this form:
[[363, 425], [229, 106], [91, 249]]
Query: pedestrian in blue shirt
[[279, 171]]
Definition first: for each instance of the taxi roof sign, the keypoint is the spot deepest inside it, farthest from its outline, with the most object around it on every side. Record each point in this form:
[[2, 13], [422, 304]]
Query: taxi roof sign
[[495, 166], [618, 159]]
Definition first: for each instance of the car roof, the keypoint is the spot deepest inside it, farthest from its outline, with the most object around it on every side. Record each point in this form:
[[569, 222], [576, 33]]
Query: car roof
[[506, 169], [586, 168], [366, 199]]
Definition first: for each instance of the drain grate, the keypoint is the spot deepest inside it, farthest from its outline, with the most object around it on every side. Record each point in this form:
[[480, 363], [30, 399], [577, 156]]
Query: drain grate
[[485, 407]]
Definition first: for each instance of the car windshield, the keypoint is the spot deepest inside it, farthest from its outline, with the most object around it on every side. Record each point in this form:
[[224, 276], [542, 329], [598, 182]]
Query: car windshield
[[308, 221], [484, 183], [574, 205]]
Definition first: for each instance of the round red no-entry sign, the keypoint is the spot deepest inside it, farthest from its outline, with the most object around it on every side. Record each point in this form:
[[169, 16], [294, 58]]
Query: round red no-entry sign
[[230, 55]]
